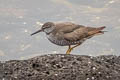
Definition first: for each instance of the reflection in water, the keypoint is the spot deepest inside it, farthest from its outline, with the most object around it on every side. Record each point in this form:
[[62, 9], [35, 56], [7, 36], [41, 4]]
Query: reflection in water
[[19, 19]]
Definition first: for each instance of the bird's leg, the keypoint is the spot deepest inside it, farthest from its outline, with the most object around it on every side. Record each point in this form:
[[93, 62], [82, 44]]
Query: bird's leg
[[73, 48], [68, 51]]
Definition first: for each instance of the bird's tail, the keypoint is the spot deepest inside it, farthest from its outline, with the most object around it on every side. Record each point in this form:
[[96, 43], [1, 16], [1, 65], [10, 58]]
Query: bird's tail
[[97, 31]]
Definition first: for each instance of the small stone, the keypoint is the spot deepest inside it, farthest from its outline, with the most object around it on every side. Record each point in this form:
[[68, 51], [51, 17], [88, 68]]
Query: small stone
[[93, 78], [94, 68]]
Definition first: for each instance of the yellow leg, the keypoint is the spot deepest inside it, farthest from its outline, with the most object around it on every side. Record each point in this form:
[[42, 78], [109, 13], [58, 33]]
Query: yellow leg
[[75, 46], [68, 51], [71, 48]]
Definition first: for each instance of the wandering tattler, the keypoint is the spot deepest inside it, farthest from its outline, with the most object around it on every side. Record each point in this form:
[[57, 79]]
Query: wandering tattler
[[68, 34]]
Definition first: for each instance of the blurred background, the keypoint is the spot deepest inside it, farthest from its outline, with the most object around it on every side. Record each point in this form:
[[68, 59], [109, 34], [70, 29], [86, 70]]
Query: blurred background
[[20, 18]]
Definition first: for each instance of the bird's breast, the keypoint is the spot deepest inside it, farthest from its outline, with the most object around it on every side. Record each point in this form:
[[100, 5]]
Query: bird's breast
[[52, 38], [61, 42]]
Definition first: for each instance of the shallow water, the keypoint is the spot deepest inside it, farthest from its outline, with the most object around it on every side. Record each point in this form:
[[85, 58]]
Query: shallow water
[[18, 19]]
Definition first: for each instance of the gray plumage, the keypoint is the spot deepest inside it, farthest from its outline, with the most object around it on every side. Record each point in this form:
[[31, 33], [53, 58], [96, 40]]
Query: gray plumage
[[67, 33]]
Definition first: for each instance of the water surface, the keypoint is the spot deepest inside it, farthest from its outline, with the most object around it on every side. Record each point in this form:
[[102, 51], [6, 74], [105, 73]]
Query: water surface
[[19, 18]]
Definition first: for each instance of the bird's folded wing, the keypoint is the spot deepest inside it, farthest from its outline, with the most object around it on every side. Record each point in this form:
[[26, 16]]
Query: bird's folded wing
[[83, 33], [76, 35]]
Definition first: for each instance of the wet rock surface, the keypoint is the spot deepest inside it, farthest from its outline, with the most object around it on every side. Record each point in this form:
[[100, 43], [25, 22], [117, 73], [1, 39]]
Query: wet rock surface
[[62, 67]]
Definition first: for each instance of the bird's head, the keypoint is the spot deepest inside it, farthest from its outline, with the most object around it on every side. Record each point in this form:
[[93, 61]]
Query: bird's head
[[47, 28]]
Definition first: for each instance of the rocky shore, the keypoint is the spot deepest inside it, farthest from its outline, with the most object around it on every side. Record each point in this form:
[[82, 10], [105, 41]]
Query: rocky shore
[[62, 67]]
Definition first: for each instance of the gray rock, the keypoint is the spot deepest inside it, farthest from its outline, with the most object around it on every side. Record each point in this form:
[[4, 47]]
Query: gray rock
[[63, 67]]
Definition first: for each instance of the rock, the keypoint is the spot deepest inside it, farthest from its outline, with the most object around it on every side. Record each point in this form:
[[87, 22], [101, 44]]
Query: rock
[[62, 67], [1, 71]]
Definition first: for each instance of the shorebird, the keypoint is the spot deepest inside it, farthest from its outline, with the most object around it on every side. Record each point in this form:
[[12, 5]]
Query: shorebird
[[68, 33]]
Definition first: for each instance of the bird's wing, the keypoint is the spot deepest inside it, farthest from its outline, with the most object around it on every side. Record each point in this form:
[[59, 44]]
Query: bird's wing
[[82, 33], [62, 30], [76, 35]]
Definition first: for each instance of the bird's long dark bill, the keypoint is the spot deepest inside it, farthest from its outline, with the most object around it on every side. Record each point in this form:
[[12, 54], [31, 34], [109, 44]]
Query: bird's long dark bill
[[36, 32]]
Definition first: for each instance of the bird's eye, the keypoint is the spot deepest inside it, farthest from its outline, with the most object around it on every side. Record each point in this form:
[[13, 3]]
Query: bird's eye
[[47, 26]]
